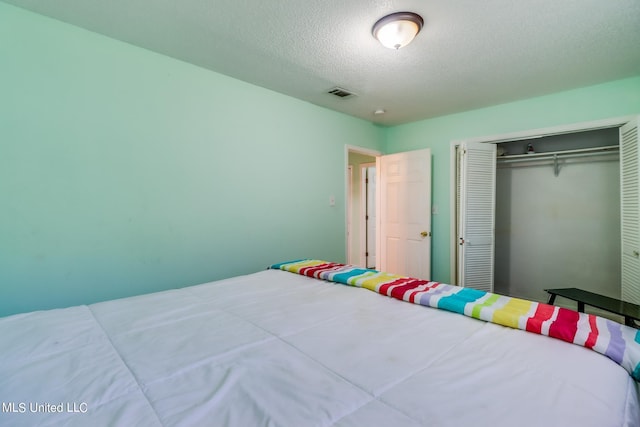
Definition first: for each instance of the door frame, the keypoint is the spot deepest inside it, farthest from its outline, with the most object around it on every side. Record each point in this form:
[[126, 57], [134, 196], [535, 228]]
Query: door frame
[[513, 136], [348, 148]]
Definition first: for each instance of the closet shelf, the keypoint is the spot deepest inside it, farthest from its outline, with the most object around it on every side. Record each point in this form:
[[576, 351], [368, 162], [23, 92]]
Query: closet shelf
[[564, 153], [557, 155]]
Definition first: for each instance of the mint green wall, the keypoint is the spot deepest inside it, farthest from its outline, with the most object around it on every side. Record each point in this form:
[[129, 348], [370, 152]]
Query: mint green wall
[[123, 171], [614, 99]]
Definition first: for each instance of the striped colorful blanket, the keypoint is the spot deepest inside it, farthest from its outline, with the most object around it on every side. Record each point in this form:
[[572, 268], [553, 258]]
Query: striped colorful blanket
[[618, 342]]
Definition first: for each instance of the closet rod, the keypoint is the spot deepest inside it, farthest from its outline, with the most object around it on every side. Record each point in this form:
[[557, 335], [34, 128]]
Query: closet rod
[[581, 152]]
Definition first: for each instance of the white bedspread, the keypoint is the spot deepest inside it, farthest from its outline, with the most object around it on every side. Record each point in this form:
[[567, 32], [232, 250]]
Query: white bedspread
[[280, 349]]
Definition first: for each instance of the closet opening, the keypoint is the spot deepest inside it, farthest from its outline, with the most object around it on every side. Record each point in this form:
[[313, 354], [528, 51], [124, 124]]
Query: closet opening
[[550, 208], [557, 214]]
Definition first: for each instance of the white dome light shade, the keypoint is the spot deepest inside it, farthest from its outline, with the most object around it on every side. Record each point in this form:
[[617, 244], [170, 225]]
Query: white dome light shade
[[398, 29]]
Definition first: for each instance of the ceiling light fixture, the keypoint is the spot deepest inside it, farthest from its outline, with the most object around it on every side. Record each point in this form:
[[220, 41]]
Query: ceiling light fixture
[[398, 29]]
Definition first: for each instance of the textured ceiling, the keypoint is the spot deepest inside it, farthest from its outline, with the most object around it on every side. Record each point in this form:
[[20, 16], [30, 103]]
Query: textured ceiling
[[470, 53]]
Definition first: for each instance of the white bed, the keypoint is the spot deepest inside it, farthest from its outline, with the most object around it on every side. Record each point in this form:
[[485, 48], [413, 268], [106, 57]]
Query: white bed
[[280, 349]]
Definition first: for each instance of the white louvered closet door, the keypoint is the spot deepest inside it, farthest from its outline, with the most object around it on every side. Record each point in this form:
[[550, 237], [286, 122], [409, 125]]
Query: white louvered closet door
[[476, 215], [630, 211]]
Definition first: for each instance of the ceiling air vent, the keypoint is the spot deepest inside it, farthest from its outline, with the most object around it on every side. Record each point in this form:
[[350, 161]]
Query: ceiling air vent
[[341, 93]]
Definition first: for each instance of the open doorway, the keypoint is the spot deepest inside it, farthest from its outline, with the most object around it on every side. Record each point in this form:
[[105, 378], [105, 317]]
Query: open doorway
[[361, 233], [402, 211], [367, 215]]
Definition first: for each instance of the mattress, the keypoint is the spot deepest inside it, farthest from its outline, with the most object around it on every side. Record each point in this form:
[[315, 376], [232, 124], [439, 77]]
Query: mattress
[[281, 349]]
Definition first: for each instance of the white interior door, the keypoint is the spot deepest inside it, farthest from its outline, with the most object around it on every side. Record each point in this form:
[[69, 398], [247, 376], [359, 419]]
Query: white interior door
[[630, 211], [476, 186], [368, 220], [371, 219], [405, 213], [349, 210]]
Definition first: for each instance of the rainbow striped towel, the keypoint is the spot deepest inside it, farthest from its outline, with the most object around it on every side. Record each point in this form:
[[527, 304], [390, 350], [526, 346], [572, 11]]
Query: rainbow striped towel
[[618, 342]]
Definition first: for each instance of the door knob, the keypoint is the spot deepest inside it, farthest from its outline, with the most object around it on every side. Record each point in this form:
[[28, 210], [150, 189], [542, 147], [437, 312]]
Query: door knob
[[425, 234]]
